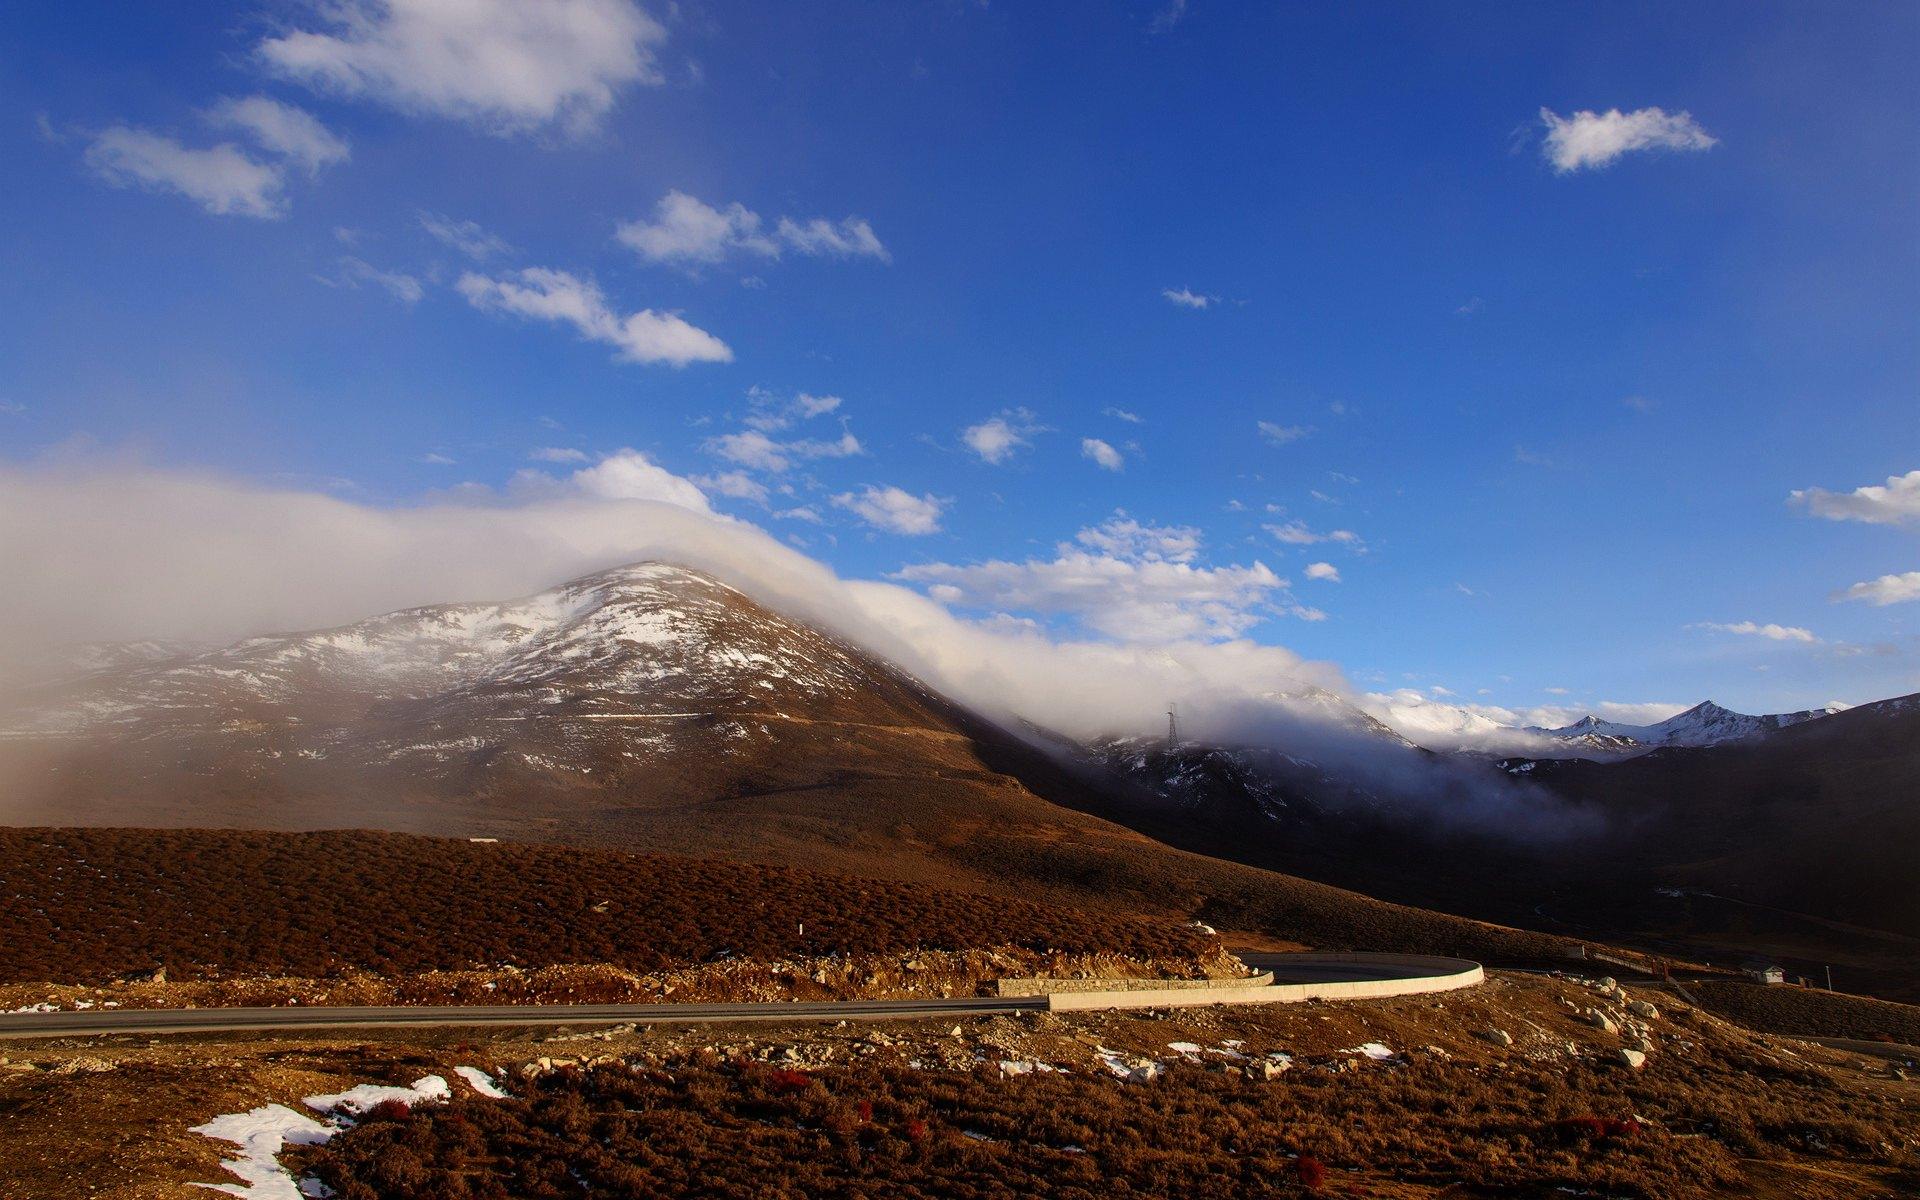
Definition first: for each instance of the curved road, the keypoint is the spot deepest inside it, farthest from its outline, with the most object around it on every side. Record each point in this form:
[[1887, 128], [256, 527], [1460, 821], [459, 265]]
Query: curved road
[[1289, 971]]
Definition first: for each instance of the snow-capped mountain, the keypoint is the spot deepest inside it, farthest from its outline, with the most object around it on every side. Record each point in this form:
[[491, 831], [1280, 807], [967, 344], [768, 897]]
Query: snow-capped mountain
[[1441, 726], [1705, 724], [649, 682]]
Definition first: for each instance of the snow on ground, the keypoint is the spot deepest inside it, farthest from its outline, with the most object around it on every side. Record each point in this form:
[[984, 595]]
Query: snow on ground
[[261, 1134], [481, 1082], [357, 1101], [1378, 1051]]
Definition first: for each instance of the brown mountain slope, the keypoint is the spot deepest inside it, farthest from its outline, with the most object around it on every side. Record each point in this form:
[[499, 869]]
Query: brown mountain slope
[[645, 708]]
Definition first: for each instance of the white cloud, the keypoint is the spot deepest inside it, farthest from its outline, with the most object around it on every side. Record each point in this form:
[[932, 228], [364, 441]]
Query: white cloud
[[1324, 571], [79, 532], [630, 475], [465, 236], [1188, 299], [1121, 536], [506, 65], [687, 230], [756, 451], [558, 454], [222, 179], [1103, 454], [402, 287], [802, 512], [281, 129], [894, 510], [996, 439], [1590, 139], [1297, 533], [1280, 434], [769, 413], [112, 550], [1772, 632], [436, 460], [1888, 589], [850, 237], [1895, 503], [540, 293], [1121, 414], [734, 484], [1140, 585]]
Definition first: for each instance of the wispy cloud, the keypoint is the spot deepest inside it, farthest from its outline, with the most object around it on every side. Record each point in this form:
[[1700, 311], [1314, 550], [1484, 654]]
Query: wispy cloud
[[465, 236], [1103, 454], [1187, 298], [222, 179], [1769, 631], [756, 451], [1888, 589], [1297, 533], [687, 231], [505, 65], [281, 129], [544, 294], [894, 510], [1123, 579], [1897, 502], [357, 272], [1280, 435], [997, 439], [1593, 140]]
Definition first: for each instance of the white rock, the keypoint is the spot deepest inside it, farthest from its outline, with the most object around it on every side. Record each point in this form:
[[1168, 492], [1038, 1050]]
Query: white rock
[[1633, 1058], [1640, 1008], [1498, 1037]]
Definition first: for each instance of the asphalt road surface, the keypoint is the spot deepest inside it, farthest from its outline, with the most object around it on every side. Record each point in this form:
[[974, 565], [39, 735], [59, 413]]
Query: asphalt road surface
[[95, 1022]]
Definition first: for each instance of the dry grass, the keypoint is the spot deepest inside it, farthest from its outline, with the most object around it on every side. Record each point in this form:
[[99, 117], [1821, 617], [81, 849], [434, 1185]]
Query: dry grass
[[750, 1130], [1782, 1009], [86, 905]]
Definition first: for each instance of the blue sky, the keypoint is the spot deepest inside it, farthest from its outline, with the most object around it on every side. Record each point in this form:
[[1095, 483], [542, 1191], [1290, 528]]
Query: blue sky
[[1392, 290]]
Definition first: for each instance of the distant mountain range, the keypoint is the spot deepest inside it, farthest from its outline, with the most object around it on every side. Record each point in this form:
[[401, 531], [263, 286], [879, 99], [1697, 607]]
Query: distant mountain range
[[1705, 724], [1451, 727]]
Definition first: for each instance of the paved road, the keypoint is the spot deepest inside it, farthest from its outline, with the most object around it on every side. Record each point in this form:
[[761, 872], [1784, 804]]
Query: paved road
[[95, 1022]]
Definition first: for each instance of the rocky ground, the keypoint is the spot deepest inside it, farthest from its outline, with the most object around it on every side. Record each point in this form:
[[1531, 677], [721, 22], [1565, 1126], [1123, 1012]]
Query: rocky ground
[[1505, 1069]]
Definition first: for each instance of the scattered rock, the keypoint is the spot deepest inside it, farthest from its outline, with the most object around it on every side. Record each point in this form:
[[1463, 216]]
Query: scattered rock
[[1267, 1069], [1600, 1021], [1498, 1037], [1643, 1010], [1633, 1058]]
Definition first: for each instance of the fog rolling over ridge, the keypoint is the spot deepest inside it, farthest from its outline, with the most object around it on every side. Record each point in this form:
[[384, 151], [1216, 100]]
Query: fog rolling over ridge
[[114, 552]]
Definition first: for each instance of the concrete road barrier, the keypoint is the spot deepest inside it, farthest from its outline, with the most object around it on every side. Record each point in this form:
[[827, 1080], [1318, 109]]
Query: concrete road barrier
[[1348, 977]]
